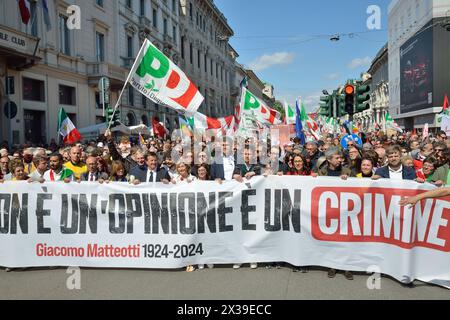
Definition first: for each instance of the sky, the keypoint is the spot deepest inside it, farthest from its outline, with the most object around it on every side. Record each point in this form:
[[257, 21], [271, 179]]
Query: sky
[[287, 42]]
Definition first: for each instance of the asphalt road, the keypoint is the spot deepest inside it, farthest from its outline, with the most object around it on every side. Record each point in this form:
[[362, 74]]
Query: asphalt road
[[222, 283]]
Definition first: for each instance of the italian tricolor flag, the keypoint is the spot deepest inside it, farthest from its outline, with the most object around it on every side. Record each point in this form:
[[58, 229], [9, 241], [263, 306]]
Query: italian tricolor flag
[[67, 129]]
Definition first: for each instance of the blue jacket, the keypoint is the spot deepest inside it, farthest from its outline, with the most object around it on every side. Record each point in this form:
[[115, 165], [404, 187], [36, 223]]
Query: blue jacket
[[407, 173]]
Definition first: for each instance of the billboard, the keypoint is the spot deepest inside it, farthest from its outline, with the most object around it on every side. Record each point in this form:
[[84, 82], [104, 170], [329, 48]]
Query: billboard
[[416, 71]]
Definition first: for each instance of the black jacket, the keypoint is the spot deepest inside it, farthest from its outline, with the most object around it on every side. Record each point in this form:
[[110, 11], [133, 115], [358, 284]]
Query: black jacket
[[407, 173], [140, 173]]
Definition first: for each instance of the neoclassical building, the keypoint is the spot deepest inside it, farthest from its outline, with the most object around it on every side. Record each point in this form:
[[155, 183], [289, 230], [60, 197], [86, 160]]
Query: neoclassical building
[[52, 66]]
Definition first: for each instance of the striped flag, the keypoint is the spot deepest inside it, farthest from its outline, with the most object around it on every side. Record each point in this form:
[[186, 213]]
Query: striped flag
[[25, 13], [67, 129], [289, 114]]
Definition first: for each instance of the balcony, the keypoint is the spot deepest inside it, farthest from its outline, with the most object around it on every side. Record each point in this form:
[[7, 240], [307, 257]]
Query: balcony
[[145, 25], [168, 41], [116, 75]]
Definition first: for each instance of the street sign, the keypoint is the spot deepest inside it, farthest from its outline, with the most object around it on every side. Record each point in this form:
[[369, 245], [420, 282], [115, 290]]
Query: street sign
[[353, 137]]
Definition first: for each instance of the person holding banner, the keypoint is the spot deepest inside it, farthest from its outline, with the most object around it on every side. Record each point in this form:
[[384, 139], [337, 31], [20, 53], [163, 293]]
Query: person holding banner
[[246, 170], [437, 193], [395, 170], [300, 167], [18, 171], [366, 168], [75, 164], [148, 170], [57, 171]]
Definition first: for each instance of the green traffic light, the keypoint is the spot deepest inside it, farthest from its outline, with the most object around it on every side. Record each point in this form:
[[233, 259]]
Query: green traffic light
[[326, 106], [362, 98]]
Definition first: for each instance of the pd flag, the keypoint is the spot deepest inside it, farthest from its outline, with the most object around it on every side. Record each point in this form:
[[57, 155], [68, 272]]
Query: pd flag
[[253, 107], [159, 79]]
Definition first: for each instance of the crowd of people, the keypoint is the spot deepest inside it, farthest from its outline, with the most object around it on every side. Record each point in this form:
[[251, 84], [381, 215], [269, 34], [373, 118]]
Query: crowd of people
[[179, 160]]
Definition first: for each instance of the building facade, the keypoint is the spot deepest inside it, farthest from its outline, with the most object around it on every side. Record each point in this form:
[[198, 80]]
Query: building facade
[[206, 56], [52, 66], [419, 46], [379, 92]]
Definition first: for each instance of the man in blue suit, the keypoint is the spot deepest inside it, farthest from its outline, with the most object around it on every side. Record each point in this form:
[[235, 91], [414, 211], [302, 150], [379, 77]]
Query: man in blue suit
[[395, 170]]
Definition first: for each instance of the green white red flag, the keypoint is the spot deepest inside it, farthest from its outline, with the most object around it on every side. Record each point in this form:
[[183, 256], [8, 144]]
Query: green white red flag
[[289, 114], [160, 80], [254, 108], [67, 129], [391, 124]]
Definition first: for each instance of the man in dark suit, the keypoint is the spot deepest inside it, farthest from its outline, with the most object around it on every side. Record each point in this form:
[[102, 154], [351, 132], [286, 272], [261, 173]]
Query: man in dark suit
[[224, 164], [93, 174], [247, 169], [395, 170], [151, 172]]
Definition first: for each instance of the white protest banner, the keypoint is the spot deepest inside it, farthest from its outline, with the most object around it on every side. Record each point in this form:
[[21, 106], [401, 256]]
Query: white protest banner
[[159, 79], [304, 221]]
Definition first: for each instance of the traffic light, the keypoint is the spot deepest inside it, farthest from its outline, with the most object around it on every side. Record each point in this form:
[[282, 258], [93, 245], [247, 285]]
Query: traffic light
[[362, 98], [326, 106], [349, 92], [340, 105], [112, 117]]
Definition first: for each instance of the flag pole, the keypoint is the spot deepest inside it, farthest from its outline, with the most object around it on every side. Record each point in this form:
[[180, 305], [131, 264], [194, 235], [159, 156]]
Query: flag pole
[[126, 83]]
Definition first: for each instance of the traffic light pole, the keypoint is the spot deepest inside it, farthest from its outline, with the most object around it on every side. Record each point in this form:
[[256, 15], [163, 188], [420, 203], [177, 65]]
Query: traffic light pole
[[335, 111]]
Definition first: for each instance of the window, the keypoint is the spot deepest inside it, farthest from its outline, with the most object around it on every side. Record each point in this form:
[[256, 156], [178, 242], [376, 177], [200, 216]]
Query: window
[[64, 40], [130, 46], [130, 96], [206, 64], [191, 53], [191, 11], [155, 19], [100, 47], [217, 71], [67, 95], [182, 48], [198, 59], [211, 66], [33, 90], [142, 8], [129, 4], [99, 3], [174, 34], [165, 26], [174, 6]]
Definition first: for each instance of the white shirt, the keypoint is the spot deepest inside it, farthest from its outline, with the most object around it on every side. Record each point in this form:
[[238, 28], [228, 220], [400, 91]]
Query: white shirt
[[228, 167], [396, 174], [91, 176], [180, 180], [149, 172]]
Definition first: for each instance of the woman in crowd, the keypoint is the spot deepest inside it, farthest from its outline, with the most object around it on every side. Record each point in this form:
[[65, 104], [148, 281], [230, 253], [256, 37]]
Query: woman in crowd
[[408, 161], [118, 173], [367, 168], [300, 167], [203, 172], [18, 171], [426, 173], [183, 174]]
